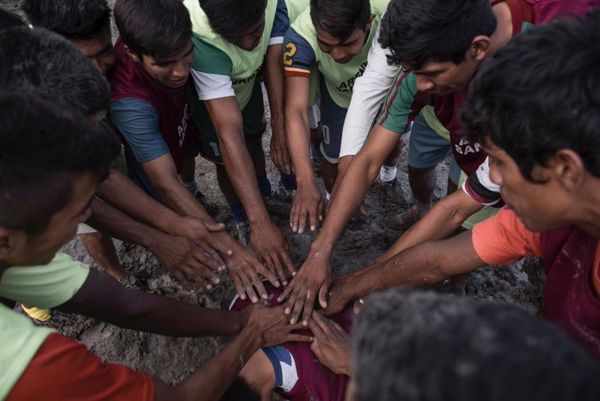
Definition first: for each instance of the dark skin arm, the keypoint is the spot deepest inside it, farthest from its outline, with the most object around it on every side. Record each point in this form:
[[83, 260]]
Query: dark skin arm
[[312, 279], [427, 263], [180, 256], [441, 221], [103, 298], [266, 239], [265, 327], [275, 89], [308, 201]]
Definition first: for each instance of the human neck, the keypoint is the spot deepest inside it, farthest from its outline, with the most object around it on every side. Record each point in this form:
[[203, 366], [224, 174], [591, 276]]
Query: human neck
[[588, 212], [504, 27]]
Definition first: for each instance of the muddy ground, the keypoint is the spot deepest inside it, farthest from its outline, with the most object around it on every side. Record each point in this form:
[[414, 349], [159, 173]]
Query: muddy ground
[[172, 359]]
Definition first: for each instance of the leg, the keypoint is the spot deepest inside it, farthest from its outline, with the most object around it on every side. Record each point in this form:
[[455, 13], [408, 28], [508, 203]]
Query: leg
[[259, 374], [101, 248]]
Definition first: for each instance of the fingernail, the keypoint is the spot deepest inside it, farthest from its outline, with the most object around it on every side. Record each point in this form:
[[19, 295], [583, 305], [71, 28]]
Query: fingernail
[[265, 296], [243, 297], [287, 311], [254, 300], [277, 284], [294, 274], [221, 268], [304, 323], [284, 283], [301, 231], [293, 321], [312, 228], [208, 286], [215, 280]]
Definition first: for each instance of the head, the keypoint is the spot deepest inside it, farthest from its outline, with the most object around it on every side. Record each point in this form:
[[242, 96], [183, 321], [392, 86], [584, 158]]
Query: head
[[427, 346], [51, 161], [51, 65], [240, 22], [157, 35], [86, 23], [535, 107], [342, 26], [9, 20], [442, 41]]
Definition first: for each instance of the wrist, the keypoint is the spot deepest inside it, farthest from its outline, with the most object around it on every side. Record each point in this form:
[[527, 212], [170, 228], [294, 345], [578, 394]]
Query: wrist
[[259, 218]]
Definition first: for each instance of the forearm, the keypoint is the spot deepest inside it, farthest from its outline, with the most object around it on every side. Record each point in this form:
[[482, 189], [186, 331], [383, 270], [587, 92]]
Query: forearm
[[121, 192], [274, 83], [242, 175], [105, 299], [440, 222], [299, 144], [111, 221], [427, 263], [179, 199], [213, 378]]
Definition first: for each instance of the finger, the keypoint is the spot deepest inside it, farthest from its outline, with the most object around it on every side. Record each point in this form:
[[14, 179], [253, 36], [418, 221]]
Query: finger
[[289, 266], [266, 273], [239, 288], [185, 283], [249, 288], [302, 218], [200, 274], [295, 214], [320, 210], [286, 292], [213, 226], [280, 273], [299, 305], [220, 246], [308, 307], [293, 337], [315, 326], [206, 256], [257, 283], [323, 292], [291, 302]]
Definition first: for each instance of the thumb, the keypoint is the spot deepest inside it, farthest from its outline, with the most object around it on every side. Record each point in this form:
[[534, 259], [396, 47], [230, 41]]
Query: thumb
[[323, 292], [213, 226]]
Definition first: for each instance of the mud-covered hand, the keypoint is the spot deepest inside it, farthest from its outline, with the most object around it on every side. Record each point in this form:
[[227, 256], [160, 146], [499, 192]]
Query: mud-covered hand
[[272, 327], [308, 204], [271, 247], [187, 262], [331, 344], [312, 280]]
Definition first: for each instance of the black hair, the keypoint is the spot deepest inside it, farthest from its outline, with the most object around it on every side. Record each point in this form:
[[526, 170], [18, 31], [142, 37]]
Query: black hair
[[73, 19], [414, 346], [44, 145], [340, 18], [9, 20], [540, 94], [233, 18], [39, 59], [156, 28], [441, 30], [240, 391]]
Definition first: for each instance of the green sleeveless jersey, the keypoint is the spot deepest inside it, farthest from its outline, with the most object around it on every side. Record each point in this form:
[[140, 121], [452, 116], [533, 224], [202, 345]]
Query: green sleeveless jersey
[[339, 78]]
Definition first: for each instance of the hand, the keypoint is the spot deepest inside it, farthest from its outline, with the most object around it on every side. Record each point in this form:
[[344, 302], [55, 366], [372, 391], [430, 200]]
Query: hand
[[308, 203], [279, 151], [337, 296], [203, 234], [331, 344], [312, 279], [186, 261], [270, 246], [271, 326]]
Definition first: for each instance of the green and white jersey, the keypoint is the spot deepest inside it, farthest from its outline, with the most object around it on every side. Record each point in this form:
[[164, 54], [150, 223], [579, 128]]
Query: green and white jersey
[[222, 69], [302, 53]]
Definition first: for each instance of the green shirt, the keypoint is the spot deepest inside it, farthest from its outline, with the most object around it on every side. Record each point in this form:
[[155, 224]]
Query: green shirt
[[44, 286], [19, 342]]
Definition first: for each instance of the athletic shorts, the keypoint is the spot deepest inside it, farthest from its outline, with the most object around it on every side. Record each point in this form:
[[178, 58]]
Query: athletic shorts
[[254, 124], [427, 148], [332, 125]]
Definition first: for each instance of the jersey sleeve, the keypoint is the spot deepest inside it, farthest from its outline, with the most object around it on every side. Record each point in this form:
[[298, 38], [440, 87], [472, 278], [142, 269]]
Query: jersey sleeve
[[299, 56], [211, 72], [280, 24], [63, 369], [367, 96], [137, 120], [480, 187], [45, 286], [401, 103], [503, 238]]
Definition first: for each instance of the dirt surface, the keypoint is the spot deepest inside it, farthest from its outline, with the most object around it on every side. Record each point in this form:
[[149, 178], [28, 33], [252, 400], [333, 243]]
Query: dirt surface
[[172, 359]]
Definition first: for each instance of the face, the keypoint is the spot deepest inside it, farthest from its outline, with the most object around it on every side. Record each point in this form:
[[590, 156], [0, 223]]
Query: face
[[540, 206], [342, 51], [172, 71], [40, 250], [248, 41], [99, 50], [445, 77]]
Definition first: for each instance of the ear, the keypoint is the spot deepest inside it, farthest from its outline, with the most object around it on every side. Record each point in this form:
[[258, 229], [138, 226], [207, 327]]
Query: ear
[[131, 54], [10, 243], [566, 166], [480, 48], [370, 23]]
